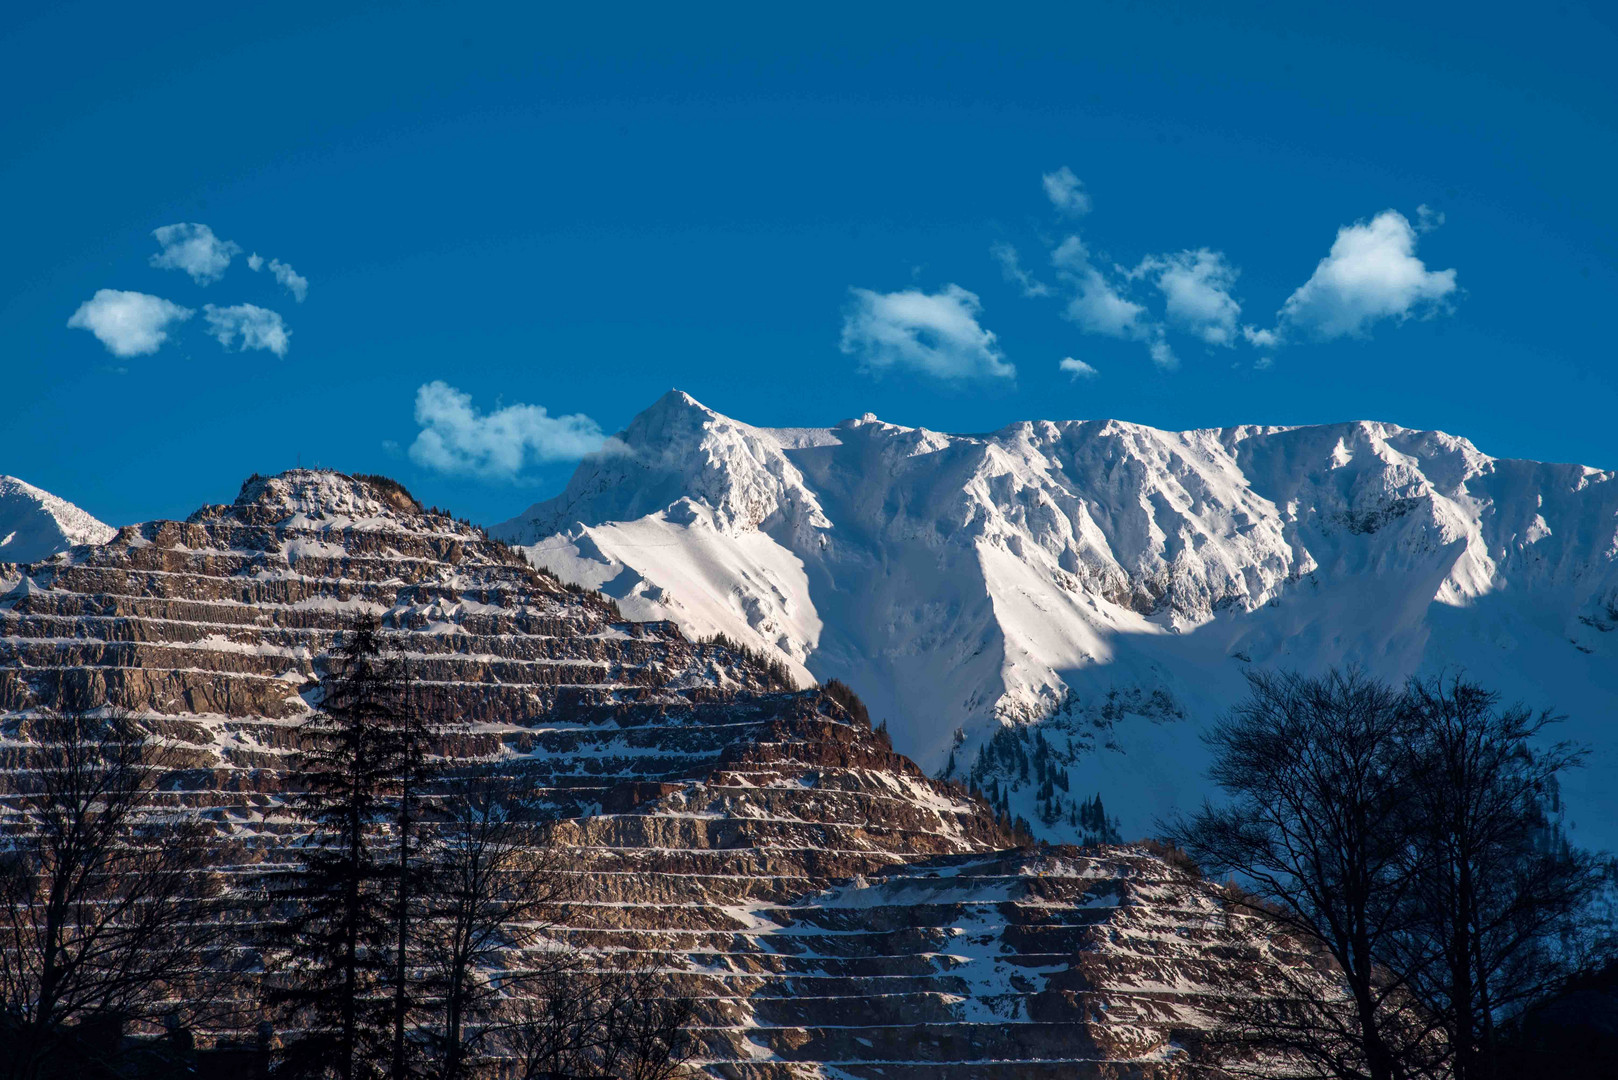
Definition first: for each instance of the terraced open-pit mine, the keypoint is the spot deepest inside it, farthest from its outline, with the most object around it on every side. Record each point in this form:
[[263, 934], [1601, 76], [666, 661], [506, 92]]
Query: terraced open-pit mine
[[831, 909]]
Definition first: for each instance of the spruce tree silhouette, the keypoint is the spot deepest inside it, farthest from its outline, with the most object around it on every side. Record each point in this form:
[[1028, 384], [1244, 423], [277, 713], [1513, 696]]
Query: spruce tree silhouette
[[335, 946]]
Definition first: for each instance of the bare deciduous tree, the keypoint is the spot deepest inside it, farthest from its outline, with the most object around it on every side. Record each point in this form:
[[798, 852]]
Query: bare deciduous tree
[[513, 999], [589, 1018], [107, 905], [1317, 829], [1412, 838], [1502, 901], [494, 882]]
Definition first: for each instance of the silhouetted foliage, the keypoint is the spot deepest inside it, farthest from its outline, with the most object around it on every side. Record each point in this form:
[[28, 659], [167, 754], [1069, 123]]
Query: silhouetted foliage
[[1097, 828], [845, 696], [389, 486], [1571, 1032], [582, 1021], [1501, 907], [1317, 829], [777, 676], [495, 879], [334, 947], [1410, 837], [108, 909]]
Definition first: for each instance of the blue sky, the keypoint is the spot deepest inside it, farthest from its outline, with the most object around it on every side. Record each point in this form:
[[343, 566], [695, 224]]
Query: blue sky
[[463, 216]]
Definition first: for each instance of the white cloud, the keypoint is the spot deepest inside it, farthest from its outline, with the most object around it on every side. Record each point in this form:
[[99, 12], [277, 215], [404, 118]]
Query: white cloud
[[1196, 288], [254, 327], [1261, 339], [1066, 192], [294, 282], [936, 333], [195, 249], [1012, 268], [457, 438], [1157, 347], [1428, 219], [128, 323], [1372, 273], [1077, 368], [1099, 306]]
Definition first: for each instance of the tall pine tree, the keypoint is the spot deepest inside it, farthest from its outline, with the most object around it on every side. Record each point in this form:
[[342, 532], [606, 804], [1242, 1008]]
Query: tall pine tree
[[337, 944], [412, 870]]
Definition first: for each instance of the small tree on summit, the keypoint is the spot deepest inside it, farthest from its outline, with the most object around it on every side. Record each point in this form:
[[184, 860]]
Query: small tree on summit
[[336, 946]]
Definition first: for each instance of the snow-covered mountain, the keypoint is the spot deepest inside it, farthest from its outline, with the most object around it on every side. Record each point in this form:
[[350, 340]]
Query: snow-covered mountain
[[1057, 607], [35, 524]]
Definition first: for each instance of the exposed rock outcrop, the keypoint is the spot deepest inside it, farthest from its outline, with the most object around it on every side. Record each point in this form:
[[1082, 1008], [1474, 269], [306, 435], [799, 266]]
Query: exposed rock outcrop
[[832, 909]]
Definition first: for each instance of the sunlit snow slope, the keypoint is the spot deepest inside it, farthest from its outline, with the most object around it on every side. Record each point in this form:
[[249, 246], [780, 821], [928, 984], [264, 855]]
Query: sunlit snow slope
[[35, 524], [1094, 591]]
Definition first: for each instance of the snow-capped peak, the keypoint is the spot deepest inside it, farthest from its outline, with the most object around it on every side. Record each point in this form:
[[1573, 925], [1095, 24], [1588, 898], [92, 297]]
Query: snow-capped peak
[[1079, 573], [34, 524]]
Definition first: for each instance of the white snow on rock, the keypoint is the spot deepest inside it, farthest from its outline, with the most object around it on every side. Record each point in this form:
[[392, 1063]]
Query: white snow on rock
[[1105, 584], [35, 524]]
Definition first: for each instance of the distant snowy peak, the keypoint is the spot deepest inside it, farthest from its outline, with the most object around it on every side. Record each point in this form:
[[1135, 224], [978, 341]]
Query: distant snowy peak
[[677, 449], [35, 524], [1176, 523], [1101, 578]]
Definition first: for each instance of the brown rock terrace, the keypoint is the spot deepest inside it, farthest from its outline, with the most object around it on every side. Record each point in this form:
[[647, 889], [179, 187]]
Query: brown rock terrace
[[833, 910]]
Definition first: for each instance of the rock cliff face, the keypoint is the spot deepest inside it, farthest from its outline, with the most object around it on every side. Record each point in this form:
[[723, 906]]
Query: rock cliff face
[[1097, 588], [834, 911]]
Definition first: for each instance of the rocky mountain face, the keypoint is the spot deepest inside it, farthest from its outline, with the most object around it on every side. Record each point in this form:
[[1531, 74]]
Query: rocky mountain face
[[834, 911], [35, 524], [1054, 610]]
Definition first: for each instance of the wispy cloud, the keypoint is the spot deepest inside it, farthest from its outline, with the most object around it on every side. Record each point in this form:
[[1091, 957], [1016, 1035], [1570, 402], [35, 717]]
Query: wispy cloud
[[456, 438], [247, 326], [1066, 192], [934, 333], [195, 249], [1078, 369], [1372, 273], [1196, 287], [294, 282], [1097, 304], [128, 323], [1011, 266]]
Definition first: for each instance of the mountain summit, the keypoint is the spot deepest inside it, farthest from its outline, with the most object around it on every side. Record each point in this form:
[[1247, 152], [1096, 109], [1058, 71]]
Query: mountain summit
[[1089, 593], [35, 524]]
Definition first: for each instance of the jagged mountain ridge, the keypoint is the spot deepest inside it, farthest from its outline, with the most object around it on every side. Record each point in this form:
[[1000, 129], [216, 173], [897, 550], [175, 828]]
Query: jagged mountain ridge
[[1108, 580], [35, 524], [833, 911]]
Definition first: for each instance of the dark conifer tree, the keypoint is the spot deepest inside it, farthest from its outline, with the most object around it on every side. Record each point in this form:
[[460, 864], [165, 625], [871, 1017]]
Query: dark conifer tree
[[412, 872], [336, 946]]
